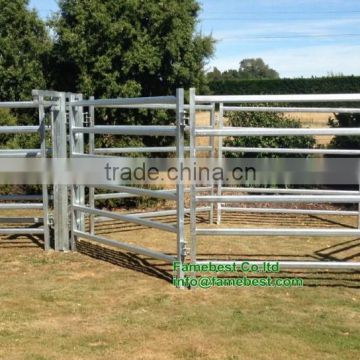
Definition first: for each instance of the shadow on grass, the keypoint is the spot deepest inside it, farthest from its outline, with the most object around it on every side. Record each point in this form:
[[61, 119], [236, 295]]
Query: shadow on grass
[[126, 260], [163, 271]]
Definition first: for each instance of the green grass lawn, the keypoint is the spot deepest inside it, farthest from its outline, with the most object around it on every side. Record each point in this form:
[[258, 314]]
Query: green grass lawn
[[104, 304]]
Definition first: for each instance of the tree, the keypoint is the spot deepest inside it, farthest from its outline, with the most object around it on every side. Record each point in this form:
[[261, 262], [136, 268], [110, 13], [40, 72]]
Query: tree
[[256, 69], [249, 69], [266, 120], [128, 47], [24, 45]]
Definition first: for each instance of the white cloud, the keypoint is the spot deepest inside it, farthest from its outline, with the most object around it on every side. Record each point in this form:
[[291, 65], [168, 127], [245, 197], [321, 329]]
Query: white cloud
[[302, 61]]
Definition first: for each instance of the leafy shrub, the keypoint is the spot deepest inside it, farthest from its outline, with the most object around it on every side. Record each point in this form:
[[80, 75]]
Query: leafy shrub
[[266, 120], [345, 120]]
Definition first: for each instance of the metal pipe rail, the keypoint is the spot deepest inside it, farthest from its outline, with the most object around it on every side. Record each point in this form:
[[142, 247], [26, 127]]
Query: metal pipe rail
[[289, 191], [342, 199], [122, 195], [160, 213], [19, 129], [302, 98], [21, 153], [243, 131], [125, 101], [133, 218], [142, 130], [21, 220], [340, 265], [292, 109], [21, 231], [25, 104], [21, 206], [279, 232], [146, 149], [289, 211], [161, 194], [157, 107], [22, 197], [290, 151]]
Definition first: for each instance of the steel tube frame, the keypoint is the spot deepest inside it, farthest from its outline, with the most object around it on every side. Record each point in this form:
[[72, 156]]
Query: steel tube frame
[[76, 128], [303, 194], [39, 104]]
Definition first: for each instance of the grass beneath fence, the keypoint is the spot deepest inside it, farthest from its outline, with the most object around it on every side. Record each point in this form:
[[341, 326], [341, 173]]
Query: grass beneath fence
[[101, 303]]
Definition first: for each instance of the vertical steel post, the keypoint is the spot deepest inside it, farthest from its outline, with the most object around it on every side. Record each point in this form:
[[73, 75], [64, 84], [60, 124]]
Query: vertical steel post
[[180, 211], [193, 182], [45, 195], [61, 220], [359, 193], [220, 156], [91, 151], [76, 147], [212, 155]]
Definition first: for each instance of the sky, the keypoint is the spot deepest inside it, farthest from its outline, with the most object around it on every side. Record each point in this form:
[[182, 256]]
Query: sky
[[296, 38]]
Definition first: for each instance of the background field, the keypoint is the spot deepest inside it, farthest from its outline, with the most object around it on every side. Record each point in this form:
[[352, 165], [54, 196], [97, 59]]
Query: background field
[[101, 303]]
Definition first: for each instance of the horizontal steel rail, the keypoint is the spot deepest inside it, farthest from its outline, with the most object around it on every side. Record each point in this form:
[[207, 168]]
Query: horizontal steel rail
[[277, 98], [157, 107], [141, 130], [21, 153], [22, 197], [19, 129], [125, 101], [244, 131], [289, 191], [145, 149], [161, 213], [340, 265], [279, 232], [291, 109], [289, 211], [161, 194], [125, 195], [290, 151], [125, 246], [21, 220], [133, 218], [21, 206], [24, 104], [343, 199], [21, 231]]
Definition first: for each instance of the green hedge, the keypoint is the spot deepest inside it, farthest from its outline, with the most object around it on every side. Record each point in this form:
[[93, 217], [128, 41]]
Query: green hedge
[[324, 85]]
